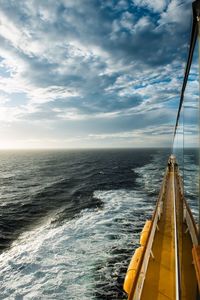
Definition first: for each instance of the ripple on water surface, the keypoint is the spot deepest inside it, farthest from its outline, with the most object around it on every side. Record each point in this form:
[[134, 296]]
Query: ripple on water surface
[[84, 258], [83, 247]]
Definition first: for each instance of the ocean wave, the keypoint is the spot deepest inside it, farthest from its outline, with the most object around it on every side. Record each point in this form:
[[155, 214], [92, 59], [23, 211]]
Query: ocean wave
[[84, 258]]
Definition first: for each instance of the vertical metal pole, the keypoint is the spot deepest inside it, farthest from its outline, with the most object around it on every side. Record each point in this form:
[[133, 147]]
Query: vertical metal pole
[[198, 37], [183, 146], [198, 25], [196, 18]]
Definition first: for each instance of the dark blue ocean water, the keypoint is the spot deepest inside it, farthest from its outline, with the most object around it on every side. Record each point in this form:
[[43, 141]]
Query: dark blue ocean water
[[70, 220]]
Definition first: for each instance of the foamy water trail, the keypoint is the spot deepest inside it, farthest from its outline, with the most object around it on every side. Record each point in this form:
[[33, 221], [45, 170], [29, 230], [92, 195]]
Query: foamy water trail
[[150, 177], [81, 259], [85, 257]]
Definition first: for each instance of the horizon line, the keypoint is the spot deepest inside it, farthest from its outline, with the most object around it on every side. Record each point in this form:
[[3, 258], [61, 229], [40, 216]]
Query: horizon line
[[95, 148]]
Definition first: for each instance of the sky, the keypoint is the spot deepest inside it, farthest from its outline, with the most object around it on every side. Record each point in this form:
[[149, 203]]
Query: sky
[[93, 73]]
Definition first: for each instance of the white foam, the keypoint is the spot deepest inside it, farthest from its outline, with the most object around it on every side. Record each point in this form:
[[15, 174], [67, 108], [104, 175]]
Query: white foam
[[150, 177], [68, 261]]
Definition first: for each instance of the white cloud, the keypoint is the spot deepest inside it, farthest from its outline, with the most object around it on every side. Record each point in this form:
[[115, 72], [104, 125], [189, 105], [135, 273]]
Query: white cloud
[[156, 5], [142, 23], [4, 98], [175, 12], [42, 95], [79, 63], [10, 114], [11, 33]]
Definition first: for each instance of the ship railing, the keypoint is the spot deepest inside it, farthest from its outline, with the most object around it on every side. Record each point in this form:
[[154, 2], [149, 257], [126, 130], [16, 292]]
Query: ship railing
[[191, 226], [188, 216], [137, 287], [176, 241]]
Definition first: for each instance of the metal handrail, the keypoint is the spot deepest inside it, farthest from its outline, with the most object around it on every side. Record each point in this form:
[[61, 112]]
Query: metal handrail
[[132, 294], [177, 263]]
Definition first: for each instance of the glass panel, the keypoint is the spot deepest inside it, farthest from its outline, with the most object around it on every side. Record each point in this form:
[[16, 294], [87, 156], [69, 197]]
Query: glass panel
[[178, 147], [186, 150], [186, 142], [191, 138]]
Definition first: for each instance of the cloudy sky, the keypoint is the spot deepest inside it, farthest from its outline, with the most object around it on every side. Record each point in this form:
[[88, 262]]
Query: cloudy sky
[[92, 73]]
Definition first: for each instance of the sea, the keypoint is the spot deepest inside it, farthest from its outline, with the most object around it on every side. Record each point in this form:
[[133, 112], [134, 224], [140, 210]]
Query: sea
[[70, 220]]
